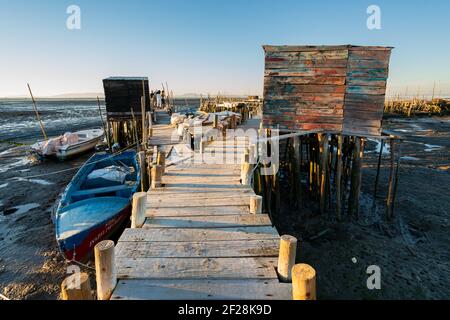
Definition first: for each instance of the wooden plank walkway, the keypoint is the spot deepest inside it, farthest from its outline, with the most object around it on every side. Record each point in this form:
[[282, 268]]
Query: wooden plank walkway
[[199, 240]]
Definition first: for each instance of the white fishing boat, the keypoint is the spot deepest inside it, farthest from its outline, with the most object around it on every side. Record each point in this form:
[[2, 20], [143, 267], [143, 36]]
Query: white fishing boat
[[68, 145]]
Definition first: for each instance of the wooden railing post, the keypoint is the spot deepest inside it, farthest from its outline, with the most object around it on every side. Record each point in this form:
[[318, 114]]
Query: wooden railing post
[[286, 257], [105, 269], [138, 210], [256, 204], [161, 160], [303, 282], [156, 176], [76, 287]]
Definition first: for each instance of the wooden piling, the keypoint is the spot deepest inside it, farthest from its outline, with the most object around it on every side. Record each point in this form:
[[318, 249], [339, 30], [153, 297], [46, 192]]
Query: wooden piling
[[324, 148], [390, 194], [286, 257], [156, 176], [355, 188], [161, 160], [138, 210], [303, 282], [105, 269], [377, 177], [142, 168], [256, 204], [216, 121], [246, 169], [76, 287], [339, 179]]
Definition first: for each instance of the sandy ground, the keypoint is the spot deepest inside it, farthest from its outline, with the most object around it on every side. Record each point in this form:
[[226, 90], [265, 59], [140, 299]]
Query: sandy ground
[[412, 252]]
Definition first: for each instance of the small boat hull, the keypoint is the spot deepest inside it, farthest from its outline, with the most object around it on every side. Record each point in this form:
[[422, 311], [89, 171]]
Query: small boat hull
[[81, 247], [94, 208]]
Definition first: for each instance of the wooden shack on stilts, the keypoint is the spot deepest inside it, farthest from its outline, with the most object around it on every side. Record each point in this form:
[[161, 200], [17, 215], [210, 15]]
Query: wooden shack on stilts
[[330, 101]]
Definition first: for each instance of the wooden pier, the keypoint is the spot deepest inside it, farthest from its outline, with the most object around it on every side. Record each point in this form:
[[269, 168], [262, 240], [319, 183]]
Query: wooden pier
[[199, 239]]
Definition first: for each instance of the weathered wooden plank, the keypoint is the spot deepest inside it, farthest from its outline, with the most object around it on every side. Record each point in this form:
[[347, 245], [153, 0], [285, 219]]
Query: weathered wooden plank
[[306, 72], [196, 268], [378, 82], [284, 89], [365, 90], [322, 97], [367, 63], [308, 55], [187, 234], [210, 249], [196, 211], [288, 48], [199, 202], [279, 80], [208, 221], [367, 73], [202, 290], [294, 64]]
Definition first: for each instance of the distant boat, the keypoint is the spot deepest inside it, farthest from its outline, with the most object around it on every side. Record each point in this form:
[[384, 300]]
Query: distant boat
[[96, 203], [69, 144]]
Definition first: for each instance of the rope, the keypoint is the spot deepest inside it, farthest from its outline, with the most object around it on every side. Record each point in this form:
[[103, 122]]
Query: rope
[[75, 168]]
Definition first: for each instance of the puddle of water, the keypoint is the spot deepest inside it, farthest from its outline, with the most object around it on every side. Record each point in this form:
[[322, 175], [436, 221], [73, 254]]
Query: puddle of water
[[37, 181], [410, 158], [432, 147], [386, 147], [20, 163], [24, 208]]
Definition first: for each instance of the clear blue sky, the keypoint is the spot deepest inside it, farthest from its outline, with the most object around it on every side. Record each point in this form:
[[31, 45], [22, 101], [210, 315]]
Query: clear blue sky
[[207, 46]]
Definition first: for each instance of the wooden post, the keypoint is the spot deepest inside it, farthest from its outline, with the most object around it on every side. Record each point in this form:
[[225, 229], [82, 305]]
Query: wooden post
[[138, 210], [286, 257], [256, 204], [303, 282], [356, 178], [150, 124], [142, 168], [246, 169], [144, 124], [161, 160], [390, 195], [105, 269], [324, 172], [378, 169], [76, 287], [339, 179], [156, 176], [216, 121], [37, 113]]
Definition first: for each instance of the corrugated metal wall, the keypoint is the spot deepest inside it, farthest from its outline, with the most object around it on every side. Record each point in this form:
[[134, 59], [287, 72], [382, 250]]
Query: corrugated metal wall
[[310, 87]]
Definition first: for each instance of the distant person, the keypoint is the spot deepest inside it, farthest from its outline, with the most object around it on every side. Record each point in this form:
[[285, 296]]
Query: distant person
[[158, 99]]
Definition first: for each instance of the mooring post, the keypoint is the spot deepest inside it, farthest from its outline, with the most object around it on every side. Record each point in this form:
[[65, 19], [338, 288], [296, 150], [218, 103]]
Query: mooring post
[[138, 210], [303, 282], [105, 269], [76, 287], [156, 176], [256, 204], [286, 257]]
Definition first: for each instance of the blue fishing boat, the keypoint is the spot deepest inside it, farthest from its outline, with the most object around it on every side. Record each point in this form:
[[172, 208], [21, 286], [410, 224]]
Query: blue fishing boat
[[96, 203]]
